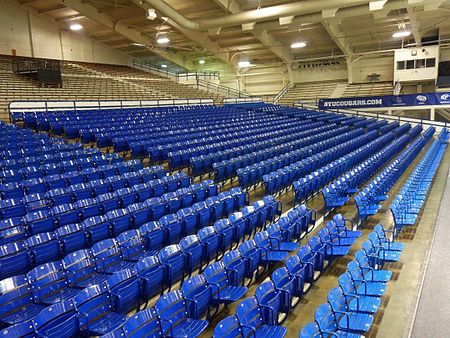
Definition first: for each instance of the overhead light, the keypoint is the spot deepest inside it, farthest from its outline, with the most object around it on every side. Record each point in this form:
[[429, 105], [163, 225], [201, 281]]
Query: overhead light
[[163, 66], [298, 45], [244, 64], [401, 34], [201, 61], [162, 40], [138, 44], [76, 27], [151, 14]]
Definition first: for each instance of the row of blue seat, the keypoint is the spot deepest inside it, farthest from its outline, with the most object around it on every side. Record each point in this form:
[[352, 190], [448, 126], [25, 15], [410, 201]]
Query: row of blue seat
[[227, 169], [408, 203], [253, 174], [338, 193], [275, 299], [51, 284], [242, 145], [285, 177], [367, 201], [203, 163], [50, 242], [352, 305]]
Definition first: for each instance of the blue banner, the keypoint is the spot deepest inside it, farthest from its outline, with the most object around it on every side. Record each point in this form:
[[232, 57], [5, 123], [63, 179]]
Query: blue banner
[[427, 99]]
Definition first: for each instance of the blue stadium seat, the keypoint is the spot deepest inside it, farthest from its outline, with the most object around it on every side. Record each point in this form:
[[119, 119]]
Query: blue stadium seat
[[172, 311], [119, 221], [14, 259], [22, 330], [173, 260], [285, 283], [198, 295], [143, 324], [125, 289], [132, 246], [108, 257], [228, 328], [190, 220], [58, 320], [153, 235], [152, 275], [97, 228], [252, 256], [192, 248], [210, 241], [82, 270], [43, 248], [88, 208], [269, 299], [269, 254]]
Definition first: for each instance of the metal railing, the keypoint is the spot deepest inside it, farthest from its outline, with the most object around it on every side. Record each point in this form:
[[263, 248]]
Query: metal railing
[[281, 93], [176, 76], [211, 87]]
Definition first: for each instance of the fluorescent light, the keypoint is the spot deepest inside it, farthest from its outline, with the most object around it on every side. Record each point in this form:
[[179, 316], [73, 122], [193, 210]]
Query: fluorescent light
[[401, 34], [151, 14], [163, 66], [298, 45], [244, 64], [76, 27], [162, 40], [201, 61], [138, 44]]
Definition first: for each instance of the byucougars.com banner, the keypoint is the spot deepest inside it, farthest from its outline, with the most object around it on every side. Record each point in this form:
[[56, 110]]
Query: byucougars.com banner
[[428, 99]]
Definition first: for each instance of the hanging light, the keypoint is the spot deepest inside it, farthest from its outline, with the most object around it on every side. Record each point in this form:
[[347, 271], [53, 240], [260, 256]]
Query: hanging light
[[162, 39], [163, 66], [244, 64], [295, 45], [401, 34], [201, 61], [76, 27]]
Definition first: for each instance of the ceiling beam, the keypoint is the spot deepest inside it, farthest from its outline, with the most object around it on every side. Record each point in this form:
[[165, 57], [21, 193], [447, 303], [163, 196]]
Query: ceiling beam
[[332, 28], [132, 34], [270, 42], [415, 26]]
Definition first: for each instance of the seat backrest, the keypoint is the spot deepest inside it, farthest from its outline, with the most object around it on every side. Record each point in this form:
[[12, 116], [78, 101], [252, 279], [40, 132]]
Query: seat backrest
[[58, 320], [325, 318], [310, 330], [125, 289], [145, 323], [216, 275], [79, 265], [172, 311], [15, 292], [197, 293], [228, 328], [47, 279], [249, 314], [93, 302], [21, 330], [153, 234]]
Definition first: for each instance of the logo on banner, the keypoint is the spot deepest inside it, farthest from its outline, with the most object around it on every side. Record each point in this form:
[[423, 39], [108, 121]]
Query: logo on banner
[[421, 98], [445, 97]]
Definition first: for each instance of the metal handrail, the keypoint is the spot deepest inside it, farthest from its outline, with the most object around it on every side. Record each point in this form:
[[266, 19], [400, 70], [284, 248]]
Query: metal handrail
[[281, 93], [221, 89], [170, 74]]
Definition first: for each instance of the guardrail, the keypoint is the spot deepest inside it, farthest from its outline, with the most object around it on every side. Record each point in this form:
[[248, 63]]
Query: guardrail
[[176, 76], [251, 99], [400, 119], [15, 108], [281, 93], [211, 87]]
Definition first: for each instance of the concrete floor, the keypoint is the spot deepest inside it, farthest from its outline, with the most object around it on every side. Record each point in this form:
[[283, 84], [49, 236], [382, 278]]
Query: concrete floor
[[395, 317]]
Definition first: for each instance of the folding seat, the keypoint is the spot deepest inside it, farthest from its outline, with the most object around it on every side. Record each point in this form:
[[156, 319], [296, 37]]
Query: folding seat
[[142, 191], [240, 198], [173, 260], [96, 306], [269, 299], [50, 283], [16, 301], [201, 192], [370, 270], [14, 259], [253, 219], [65, 214], [189, 218], [287, 285], [211, 241], [344, 296], [157, 208], [250, 316], [339, 237], [12, 233], [333, 247], [204, 214], [115, 182], [240, 226], [108, 257], [99, 160], [269, 254], [328, 324], [40, 221], [119, 221], [145, 323], [173, 228], [132, 246], [125, 289], [153, 235], [186, 196], [172, 310], [72, 237], [14, 190], [29, 173], [126, 197], [387, 242], [173, 202], [342, 225], [60, 196], [58, 320], [152, 274], [97, 228], [35, 202], [321, 249], [55, 181], [313, 261], [277, 239], [360, 287], [217, 207], [192, 248], [132, 178], [226, 233], [34, 186], [12, 208], [139, 214], [87, 208], [351, 321], [22, 330], [197, 293], [43, 248], [183, 180], [228, 327], [82, 270], [157, 187], [375, 247], [69, 166], [170, 183]]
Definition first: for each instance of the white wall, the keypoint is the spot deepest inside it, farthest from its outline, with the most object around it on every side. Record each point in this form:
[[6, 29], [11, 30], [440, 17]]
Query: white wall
[[369, 65], [32, 36], [413, 55], [335, 73]]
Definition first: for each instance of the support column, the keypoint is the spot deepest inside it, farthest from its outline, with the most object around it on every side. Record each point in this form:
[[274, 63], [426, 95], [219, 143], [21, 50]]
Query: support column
[[432, 114]]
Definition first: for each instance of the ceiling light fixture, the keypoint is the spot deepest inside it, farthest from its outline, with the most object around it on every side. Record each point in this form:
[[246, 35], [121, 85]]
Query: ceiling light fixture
[[244, 64], [162, 40], [298, 45], [163, 66], [401, 34], [201, 61], [151, 14], [138, 44], [76, 27]]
